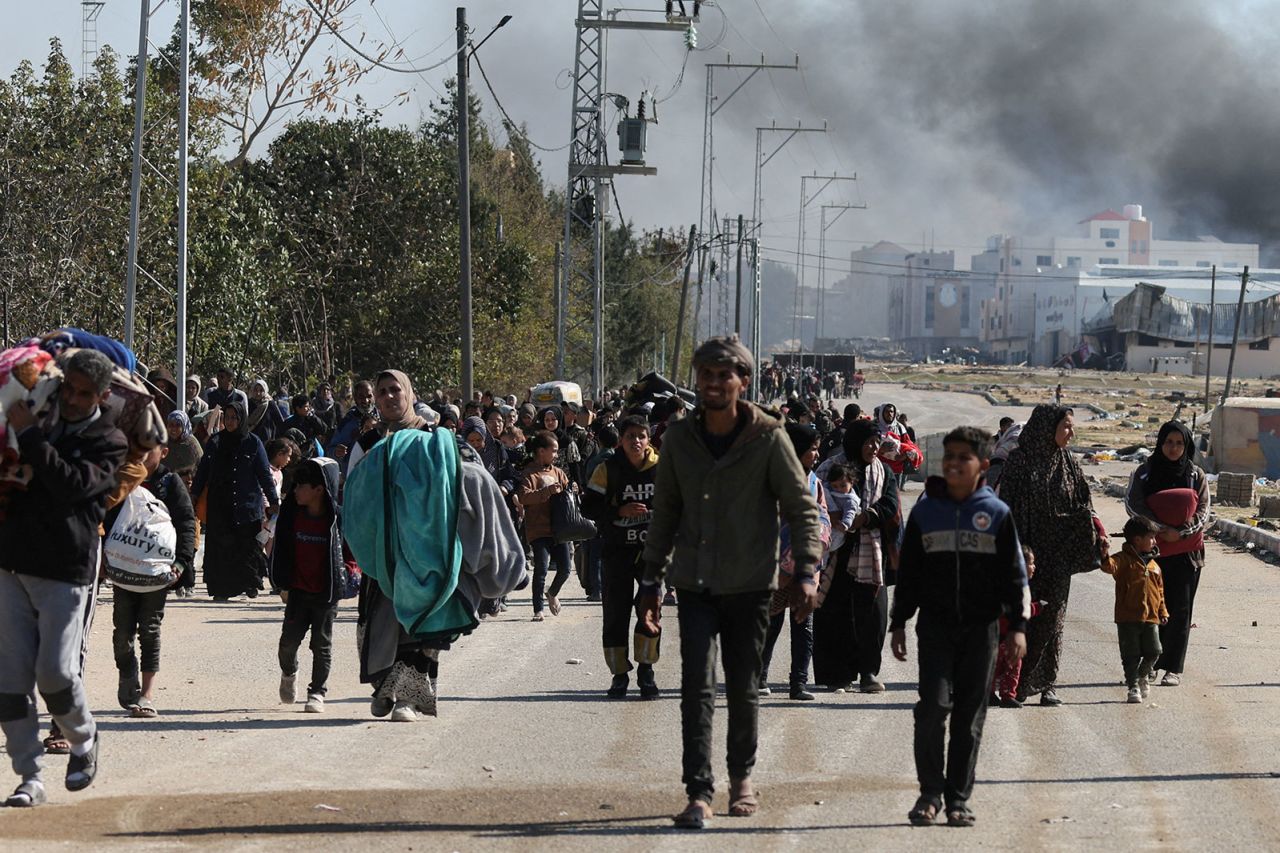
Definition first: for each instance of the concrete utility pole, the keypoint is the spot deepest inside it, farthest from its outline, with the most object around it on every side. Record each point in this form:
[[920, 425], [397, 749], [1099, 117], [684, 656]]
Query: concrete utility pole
[[135, 179], [757, 202], [180, 308], [805, 201], [684, 298], [558, 295], [1208, 366], [1235, 336], [820, 325], [712, 105], [737, 305], [464, 208]]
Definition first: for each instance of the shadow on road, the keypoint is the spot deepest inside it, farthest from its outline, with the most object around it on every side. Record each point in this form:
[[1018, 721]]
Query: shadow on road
[[1155, 777]]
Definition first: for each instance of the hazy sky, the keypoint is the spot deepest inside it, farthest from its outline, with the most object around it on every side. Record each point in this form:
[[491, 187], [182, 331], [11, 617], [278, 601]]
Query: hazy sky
[[961, 119]]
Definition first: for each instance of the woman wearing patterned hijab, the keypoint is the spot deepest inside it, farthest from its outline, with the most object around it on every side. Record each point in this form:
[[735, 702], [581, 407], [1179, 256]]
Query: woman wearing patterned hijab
[[1044, 487]]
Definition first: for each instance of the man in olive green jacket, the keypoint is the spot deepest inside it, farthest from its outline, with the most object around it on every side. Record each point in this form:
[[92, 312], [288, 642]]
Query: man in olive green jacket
[[725, 475]]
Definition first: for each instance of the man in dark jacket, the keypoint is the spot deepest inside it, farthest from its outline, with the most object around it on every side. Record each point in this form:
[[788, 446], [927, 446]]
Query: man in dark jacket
[[49, 549], [726, 473], [305, 421], [348, 429]]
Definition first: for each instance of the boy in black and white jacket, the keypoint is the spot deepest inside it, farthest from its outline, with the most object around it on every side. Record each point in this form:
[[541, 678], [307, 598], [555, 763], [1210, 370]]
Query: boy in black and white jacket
[[961, 566]]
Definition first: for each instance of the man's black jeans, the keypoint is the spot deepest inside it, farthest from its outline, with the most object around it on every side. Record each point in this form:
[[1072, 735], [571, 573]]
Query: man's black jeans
[[738, 622]]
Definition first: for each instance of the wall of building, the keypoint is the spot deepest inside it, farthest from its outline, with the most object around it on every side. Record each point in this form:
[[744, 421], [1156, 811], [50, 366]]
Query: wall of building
[[1250, 363]]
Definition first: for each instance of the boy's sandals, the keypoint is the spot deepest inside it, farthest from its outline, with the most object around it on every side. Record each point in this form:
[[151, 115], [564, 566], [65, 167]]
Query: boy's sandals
[[924, 812], [28, 794], [960, 816], [742, 799], [56, 744], [696, 815], [144, 709]]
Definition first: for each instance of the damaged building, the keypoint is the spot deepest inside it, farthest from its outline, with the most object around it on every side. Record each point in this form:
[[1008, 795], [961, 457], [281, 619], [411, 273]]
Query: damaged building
[[1162, 333]]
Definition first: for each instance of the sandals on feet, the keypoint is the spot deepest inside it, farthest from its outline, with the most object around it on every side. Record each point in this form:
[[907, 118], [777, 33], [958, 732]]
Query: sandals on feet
[[924, 812], [26, 795], [696, 815], [56, 744], [960, 816], [144, 709], [744, 803]]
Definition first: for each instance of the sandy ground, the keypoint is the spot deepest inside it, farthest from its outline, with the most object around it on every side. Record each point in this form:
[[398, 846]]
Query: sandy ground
[[528, 754]]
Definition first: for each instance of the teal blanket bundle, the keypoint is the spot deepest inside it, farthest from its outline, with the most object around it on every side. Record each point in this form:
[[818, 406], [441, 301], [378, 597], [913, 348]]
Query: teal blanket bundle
[[400, 519]]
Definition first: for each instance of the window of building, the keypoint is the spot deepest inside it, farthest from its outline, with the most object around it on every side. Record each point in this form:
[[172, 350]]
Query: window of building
[[1073, 261], [1044, 260], [1203, 264], [964, 307], [1165, 262], [1109, 233], [1108, 260], [1145, 340], [1017, 262], [1265, 343], [928, 307], [1111, 244]]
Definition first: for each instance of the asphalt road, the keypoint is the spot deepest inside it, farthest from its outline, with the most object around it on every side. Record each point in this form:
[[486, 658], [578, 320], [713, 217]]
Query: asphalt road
[[932, 411], [527, 752]]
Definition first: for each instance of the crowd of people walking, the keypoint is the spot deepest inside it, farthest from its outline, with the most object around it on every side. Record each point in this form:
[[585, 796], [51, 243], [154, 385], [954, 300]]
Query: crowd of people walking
[[748, 519]]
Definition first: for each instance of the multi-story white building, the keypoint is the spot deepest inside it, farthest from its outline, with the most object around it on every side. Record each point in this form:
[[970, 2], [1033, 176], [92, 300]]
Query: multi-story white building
[[1039, 302], [1109, 238]]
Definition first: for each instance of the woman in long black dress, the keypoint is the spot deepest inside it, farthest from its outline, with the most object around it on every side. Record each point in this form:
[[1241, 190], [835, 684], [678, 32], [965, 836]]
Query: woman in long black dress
[[852, 618], [1171, 467], [1044, 487], [237, 477]]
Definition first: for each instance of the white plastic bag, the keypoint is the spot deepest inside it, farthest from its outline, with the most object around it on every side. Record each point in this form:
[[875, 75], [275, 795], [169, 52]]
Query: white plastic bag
[[140, 548]]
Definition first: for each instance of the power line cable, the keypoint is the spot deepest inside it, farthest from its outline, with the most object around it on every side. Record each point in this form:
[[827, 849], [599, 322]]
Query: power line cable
[[511, 123], [328, 24]]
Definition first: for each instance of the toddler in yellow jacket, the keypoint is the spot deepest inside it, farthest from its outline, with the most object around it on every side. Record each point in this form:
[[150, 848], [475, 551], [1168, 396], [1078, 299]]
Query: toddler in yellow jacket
[[1140, 607]]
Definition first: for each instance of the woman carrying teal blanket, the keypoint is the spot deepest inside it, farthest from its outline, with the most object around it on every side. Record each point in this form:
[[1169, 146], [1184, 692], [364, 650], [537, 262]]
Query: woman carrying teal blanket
[[429, 529]]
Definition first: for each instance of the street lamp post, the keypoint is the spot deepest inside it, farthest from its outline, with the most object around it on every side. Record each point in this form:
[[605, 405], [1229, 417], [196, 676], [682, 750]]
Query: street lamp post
[[464, 198]]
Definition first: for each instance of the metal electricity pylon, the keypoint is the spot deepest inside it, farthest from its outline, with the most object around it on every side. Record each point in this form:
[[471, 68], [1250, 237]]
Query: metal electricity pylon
[[580, 336], [89, 12]]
